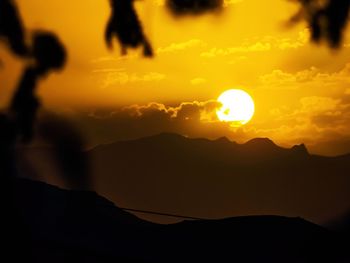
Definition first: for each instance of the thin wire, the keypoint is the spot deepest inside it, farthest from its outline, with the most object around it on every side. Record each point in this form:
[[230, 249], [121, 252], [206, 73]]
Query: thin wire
[[162, 214]]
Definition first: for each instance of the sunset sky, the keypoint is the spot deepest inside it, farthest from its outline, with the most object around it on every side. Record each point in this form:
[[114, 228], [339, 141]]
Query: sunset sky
[[301, 90]]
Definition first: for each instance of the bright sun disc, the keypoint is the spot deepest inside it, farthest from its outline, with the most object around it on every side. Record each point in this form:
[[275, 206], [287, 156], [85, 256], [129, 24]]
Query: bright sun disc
[[237, 107]]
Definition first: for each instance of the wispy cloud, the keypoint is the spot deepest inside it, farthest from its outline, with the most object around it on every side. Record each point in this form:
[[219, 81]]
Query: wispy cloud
[[263, 44], [176, 47], [196, 110], [256, 47], [114, 58], [123, 78], [313, 77]]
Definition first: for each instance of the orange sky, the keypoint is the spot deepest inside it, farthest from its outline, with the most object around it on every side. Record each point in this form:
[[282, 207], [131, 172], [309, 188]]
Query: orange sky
[[301, 91]]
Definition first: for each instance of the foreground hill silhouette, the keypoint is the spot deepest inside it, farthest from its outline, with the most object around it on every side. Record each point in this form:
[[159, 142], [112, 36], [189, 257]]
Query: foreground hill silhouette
[[81, 226], [216, 179]]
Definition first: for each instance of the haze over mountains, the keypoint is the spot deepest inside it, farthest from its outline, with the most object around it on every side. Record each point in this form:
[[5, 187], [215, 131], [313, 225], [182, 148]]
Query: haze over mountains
[[202, 178], [220, 178]]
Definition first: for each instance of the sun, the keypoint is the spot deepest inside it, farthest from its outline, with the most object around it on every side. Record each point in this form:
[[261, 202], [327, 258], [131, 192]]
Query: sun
[[237, 107]]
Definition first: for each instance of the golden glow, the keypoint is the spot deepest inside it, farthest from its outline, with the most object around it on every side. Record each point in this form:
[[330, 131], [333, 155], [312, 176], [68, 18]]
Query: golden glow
[[237, 107], [299, 95]]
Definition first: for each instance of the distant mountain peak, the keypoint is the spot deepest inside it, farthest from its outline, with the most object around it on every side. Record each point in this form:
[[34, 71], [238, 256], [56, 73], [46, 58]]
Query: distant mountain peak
[[261, 145], [300, 149], [261, 142], [223, 139]]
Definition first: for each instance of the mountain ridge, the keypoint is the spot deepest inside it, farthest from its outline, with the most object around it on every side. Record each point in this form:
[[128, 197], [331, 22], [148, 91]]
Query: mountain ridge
[[259, 141], [218, 178], [88, 230]]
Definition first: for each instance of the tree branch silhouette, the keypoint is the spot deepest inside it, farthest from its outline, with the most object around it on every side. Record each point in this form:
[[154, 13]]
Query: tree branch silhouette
[[327, 20], [193, 7], [11, 28], [125, 25], [49, 55]]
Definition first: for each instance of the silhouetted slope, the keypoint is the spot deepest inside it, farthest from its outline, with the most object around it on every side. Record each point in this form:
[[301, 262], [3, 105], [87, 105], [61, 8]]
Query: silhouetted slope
[[68, 224], [85, 227], [341, 224], [219, 178]]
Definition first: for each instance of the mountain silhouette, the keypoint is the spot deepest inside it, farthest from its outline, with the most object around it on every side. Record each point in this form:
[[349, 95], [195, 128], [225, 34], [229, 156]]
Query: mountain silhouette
[[85, 227], [219, 178]]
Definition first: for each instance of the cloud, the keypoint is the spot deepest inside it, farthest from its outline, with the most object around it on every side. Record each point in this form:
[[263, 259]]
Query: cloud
[[176, 47], [107, 59], [255, 47], [325, 114], [108, 70], [172, 48], [198, 111], [316, 121], [198, 81], [263, 44], [316, 104], [278, 78], [122, 78], [281, 79], [312, 108], [321, 122], [194, 119]]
